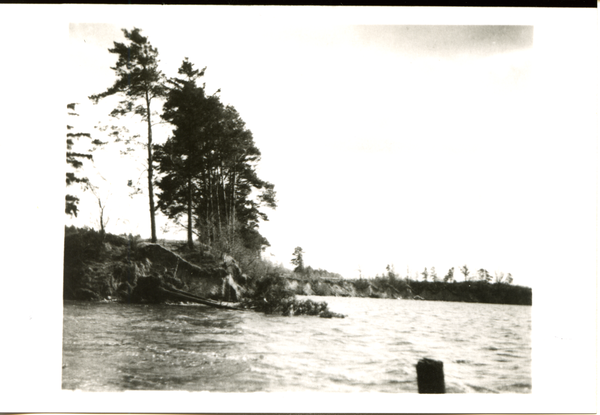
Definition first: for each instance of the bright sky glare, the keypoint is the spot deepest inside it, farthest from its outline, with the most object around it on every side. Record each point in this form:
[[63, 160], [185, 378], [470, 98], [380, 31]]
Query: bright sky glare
[[416, 146]]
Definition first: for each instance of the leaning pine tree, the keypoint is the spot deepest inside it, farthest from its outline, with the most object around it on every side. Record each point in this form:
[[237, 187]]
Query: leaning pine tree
[[139, 82]]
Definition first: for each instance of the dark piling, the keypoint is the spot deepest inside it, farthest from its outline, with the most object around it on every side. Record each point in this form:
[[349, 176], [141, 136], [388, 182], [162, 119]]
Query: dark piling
[[430, 376]]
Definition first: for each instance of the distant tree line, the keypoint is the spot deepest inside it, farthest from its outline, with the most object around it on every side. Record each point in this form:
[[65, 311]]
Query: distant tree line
[[498, 290], [482, 275], [431, 275]]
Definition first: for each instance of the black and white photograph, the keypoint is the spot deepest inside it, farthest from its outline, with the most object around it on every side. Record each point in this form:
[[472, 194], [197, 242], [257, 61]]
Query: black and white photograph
[[314, 209]]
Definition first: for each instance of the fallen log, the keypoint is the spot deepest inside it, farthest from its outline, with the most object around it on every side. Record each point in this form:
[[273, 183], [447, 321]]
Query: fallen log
[[185, 296], [156, 290]]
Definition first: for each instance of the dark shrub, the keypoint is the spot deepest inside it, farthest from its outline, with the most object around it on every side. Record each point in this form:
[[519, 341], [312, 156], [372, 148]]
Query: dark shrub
[[361, 284], [82, 245], [271, 295]]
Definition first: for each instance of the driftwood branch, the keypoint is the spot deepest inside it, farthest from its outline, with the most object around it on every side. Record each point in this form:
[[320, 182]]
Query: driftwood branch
[[184, 296]]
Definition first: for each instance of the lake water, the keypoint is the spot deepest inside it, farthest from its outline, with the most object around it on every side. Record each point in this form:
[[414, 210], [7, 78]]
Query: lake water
[[486, 348]]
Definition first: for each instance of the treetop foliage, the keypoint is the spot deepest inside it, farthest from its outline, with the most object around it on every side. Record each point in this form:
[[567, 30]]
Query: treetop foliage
[[138, 76]]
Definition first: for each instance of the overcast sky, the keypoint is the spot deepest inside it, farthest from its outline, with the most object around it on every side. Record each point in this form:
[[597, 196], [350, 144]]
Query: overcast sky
[[416, 146]]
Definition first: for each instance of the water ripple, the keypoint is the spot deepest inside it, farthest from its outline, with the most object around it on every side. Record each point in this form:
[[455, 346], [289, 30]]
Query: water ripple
[[485, 348]]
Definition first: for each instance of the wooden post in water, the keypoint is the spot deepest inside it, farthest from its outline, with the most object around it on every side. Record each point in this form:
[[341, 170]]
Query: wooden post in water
[[430, 376]]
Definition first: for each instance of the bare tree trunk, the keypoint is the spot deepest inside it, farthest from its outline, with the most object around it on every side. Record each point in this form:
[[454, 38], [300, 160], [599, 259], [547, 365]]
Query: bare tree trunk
[[226, 209], [206, 203], [101, 216], [218, 197], [212, 206], [150, 171], [189, 212], [233, 181]]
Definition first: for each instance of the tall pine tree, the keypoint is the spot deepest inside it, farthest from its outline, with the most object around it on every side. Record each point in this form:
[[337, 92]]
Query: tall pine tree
[[139, 82], [183, 157]]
